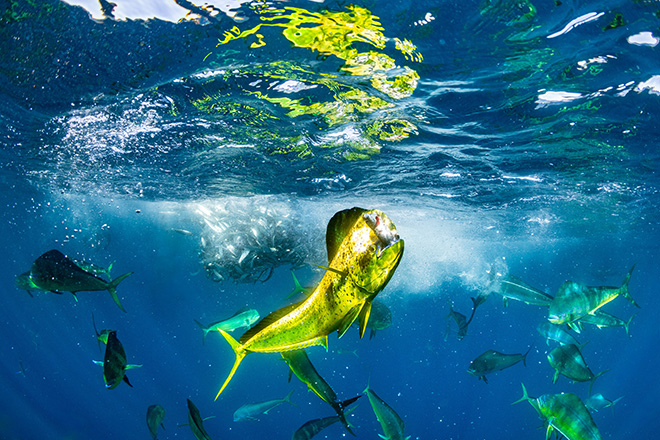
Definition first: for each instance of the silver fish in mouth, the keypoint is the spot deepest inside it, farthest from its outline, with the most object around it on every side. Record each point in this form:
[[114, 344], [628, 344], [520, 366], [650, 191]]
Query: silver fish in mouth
[[386, 236]]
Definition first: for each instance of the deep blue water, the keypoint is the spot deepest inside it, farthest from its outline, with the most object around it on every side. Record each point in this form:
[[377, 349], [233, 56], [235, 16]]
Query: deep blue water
[[518, 135]]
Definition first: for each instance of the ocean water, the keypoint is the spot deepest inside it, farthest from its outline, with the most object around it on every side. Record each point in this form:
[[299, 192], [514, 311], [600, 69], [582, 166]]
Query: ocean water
[[205, 148]]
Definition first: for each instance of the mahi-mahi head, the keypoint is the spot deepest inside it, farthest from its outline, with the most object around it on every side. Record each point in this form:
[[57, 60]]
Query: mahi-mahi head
[[364, 250]]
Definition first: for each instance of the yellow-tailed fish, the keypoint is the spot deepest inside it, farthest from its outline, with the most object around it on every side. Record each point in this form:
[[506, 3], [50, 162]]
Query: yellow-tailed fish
[[364, 251], [114, 362], [302, 367], [54, 272], [492, 361], [155, 417], [389, 420], [252, 411], [564, 413], [575, 300]]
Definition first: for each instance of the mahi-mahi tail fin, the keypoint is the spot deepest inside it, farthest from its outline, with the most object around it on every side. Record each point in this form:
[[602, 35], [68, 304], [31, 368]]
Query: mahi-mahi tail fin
[[112, 288], [340, 409], [240, 354], [204, 328], [524, 397], [624, 287]]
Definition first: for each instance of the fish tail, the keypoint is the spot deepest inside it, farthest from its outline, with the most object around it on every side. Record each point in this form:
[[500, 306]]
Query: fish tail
[[287, 398], [340, 409], [112, 288], [203, 327], [524, 358], [627, 324], [624, 287], [524, 397], [594, 378], [240, 354]]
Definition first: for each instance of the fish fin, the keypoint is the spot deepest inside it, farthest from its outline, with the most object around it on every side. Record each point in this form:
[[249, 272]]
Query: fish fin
[[348, 319], [204, 328], [343, 273], [98, 335], [112, 288], [364, 317], [624, 288], [268, 320], [524, 358], [338, 227], [99, 363], [484, 379], [550, 429], [132, 366], [240, 354], [125, 379], [342, 412], [575, 326], [594, 378], [524, 397], [383, 437], [372, 334], [505, 300], [287, 398], [297, 287], [555, 377], [627, 324]]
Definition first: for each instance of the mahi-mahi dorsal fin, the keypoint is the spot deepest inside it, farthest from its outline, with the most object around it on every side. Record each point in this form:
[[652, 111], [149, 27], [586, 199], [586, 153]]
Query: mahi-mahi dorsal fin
[[338, 227], [268, 320]]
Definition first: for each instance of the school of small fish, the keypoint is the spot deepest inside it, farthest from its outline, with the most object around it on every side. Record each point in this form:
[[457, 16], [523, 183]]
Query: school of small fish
[[245, 241]]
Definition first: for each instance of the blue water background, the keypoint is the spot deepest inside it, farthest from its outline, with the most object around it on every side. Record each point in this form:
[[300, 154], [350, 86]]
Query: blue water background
[[94, 164]]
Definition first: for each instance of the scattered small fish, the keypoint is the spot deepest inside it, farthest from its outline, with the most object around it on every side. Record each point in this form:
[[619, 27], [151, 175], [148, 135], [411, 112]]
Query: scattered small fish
[[195, 422], [554, 332], [54, 272], [155, 417], [602, 319], [511, 287], [311, 428], [596, 402], [390, 421], [252, 411], [185, 232], [568, 361], [575, 300], [302, 367], [461, 322], [22, 370], [114, 363], [564, 413], [492, 361], [244, 317]]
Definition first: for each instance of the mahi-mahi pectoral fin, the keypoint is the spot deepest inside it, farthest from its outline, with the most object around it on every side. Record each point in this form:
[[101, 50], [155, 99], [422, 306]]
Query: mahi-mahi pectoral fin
[[348, 320], [364, 317]]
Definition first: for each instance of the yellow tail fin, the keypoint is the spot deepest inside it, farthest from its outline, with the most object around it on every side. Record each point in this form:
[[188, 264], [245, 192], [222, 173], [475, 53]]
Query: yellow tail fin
[[240, 354]]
